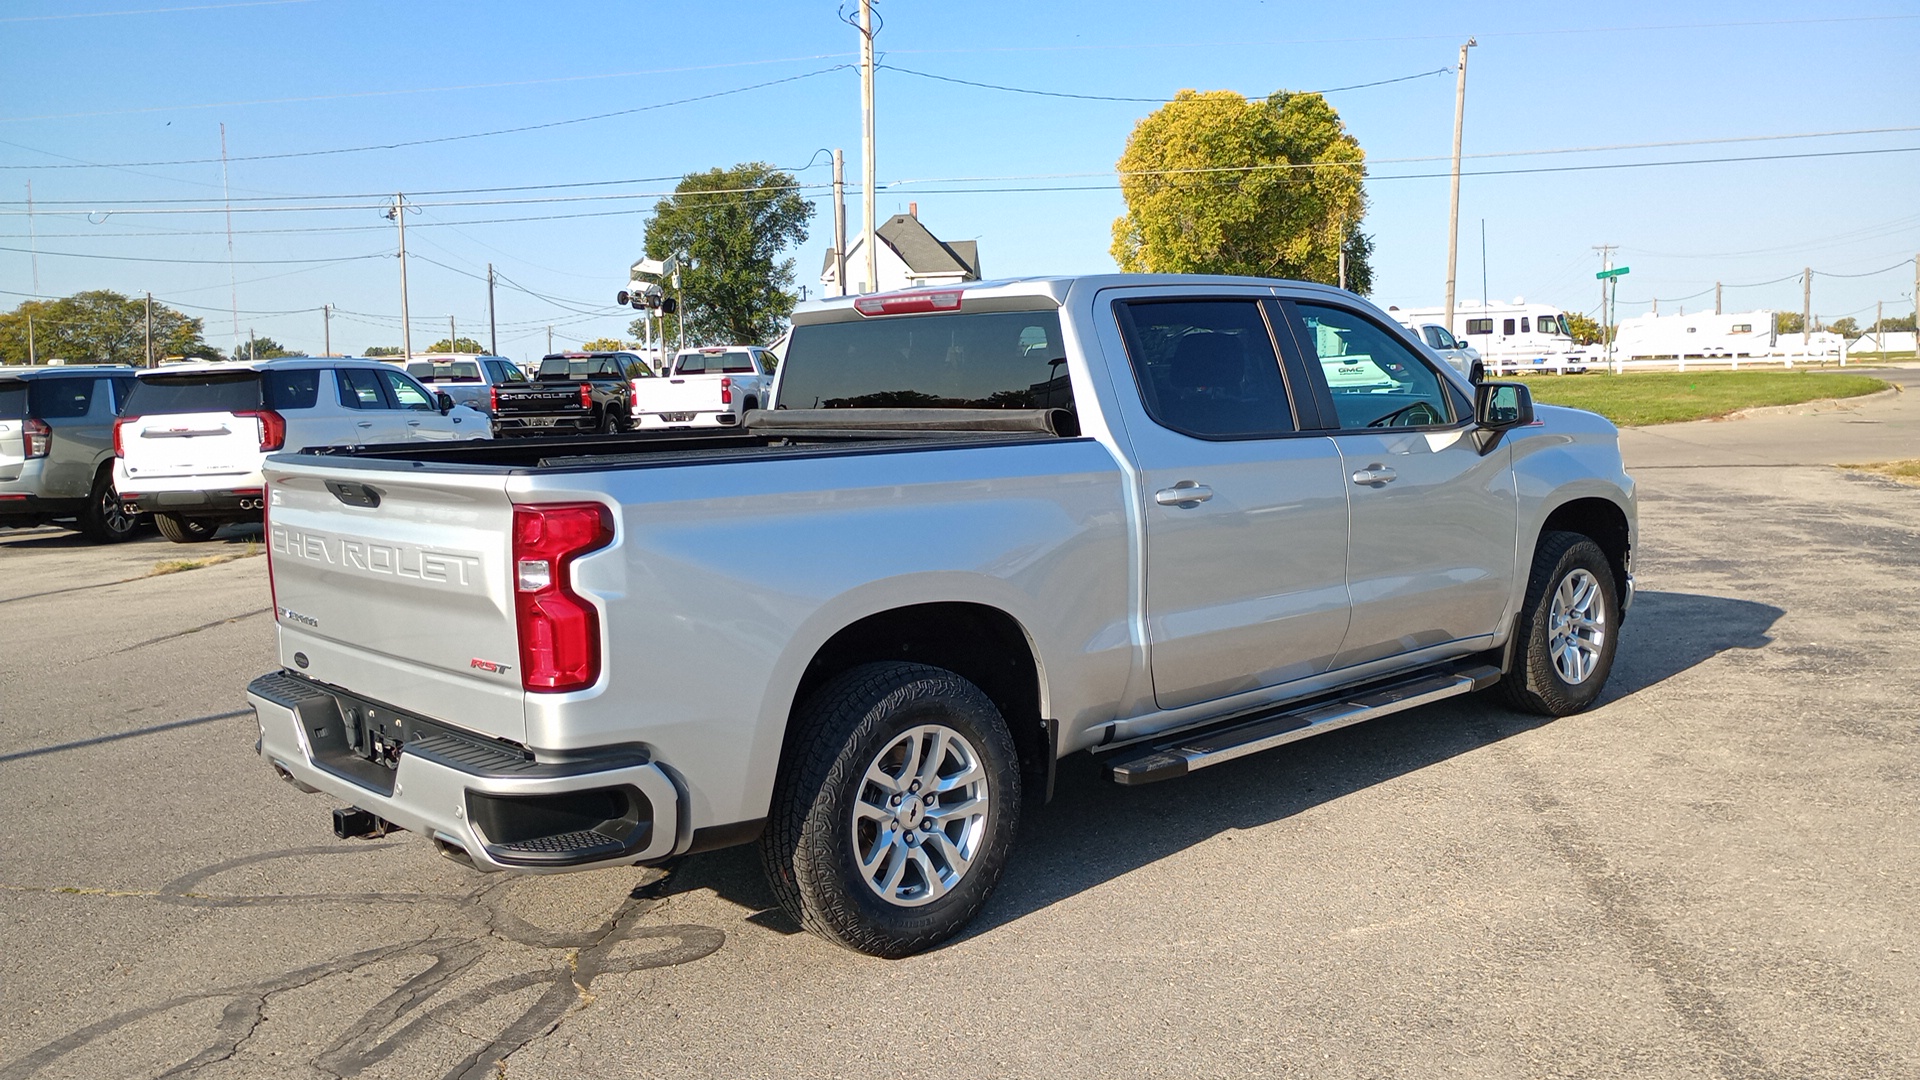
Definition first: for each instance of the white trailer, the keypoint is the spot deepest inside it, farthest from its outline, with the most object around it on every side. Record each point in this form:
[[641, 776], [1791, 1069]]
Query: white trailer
[[1512, 337], [1705, 336]]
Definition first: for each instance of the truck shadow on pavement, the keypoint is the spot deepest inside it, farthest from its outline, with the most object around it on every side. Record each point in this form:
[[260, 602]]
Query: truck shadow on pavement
[[1095, 831]]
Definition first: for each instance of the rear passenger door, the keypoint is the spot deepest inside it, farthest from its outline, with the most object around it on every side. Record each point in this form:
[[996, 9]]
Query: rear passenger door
[[1431, 557], [1245, 506]]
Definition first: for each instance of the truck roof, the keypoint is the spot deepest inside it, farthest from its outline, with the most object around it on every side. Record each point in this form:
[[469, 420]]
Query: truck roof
[[1015, 294]]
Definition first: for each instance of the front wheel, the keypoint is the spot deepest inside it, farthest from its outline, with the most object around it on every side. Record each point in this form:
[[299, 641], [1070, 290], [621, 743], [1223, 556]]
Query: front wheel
[[1568, 629], [896, 809], [185, 530]]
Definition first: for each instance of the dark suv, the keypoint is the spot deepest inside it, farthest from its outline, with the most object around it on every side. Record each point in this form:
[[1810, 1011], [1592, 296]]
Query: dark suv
[[56, 448]]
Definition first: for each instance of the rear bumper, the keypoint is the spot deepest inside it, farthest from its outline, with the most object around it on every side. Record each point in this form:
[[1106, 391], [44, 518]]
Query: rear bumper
[[497, 807], [686, 419], [508, 426], [237, 504]]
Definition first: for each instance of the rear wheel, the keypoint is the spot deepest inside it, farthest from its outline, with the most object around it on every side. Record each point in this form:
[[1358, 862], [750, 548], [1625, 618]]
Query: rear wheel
[[186, 530], [894, 814], [105, 518], [1568, 628]]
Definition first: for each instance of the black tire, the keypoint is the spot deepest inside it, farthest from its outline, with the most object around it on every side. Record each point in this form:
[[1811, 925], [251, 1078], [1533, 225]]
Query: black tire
[[811, 845], [750, 405], [186, 530], [105, 519], [1537, 683]]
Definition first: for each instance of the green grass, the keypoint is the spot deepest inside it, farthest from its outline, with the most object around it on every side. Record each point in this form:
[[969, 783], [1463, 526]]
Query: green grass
[[1668, 397]]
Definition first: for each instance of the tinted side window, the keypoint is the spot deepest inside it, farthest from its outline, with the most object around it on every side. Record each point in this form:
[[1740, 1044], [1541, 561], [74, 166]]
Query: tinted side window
[[1506, 327], [298, 389], [13, 400], [360, 389], [60, 399], [1207, 367], [1376, 380], [981, 360], [407, 394], [1479, 326], [122, 390]]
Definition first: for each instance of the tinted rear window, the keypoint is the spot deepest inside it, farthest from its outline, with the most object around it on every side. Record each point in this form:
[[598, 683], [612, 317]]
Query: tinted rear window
[[456, 372], [13, 401], [206, 391], [582, 367], [989, 360], [60, 399], [296, 389], [730, 362]]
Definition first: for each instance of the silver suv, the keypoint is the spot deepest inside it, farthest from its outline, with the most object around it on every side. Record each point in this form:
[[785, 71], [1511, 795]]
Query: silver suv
[[56, 448]]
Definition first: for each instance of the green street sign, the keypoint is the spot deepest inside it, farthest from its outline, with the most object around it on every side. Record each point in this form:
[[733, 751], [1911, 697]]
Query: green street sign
[[1618, 271]]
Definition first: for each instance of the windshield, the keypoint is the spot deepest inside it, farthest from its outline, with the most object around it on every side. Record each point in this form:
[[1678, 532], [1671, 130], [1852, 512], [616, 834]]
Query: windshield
[[715, 361], [987, 360], [1438, 337], [455, 372]]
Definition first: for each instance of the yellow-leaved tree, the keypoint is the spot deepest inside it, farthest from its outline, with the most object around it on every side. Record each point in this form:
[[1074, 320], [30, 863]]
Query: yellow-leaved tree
[[1218, 184]]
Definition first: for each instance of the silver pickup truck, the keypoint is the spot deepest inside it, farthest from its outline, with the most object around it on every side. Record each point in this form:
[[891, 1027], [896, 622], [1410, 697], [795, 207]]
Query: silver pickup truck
[[1168, 520]]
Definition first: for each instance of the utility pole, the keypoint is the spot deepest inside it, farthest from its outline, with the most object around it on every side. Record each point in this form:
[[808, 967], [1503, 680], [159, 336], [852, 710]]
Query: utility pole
[[149, 329], [866, 127], [549, 339], [32, 358], [453, 340], [33, 242], [1879, 331], [1453, 212], [326, 327], [840, 222], [253, 344], [1806, 308], [1343, 259], [399, 216], [1716, 299], [1606, 313], [493, 325]]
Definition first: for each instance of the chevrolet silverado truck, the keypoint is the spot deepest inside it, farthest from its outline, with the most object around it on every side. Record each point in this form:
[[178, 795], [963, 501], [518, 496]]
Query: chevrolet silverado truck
[[570, 392], [714, 386], [1169, 521]]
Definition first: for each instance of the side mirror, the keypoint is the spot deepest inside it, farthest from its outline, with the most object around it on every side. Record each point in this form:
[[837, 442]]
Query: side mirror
[[1477, 372], [1501, 406], [444, 400]]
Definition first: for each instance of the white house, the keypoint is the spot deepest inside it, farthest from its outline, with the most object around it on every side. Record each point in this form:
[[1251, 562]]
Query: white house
[[908, 257]]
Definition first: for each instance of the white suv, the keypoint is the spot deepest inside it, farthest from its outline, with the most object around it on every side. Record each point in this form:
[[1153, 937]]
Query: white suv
[[190, 444]]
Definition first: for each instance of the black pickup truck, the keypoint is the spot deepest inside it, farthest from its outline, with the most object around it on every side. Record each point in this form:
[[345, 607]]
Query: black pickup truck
[[571, 392]]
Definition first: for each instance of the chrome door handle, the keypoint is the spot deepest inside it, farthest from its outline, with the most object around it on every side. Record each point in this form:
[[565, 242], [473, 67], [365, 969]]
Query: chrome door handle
[[413, 423], [1184, 493], [1375, 474], [365, 423]]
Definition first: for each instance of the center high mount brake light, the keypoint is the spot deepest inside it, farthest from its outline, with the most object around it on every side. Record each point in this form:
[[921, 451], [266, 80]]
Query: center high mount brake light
[[909, 303]]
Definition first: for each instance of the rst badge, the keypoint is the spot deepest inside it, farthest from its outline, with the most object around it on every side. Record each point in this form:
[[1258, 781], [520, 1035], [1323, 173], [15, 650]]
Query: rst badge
[[489, 666]]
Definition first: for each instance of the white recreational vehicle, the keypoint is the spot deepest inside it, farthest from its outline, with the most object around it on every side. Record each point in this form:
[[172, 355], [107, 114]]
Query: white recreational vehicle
[[1512, 337], [1733, 336]]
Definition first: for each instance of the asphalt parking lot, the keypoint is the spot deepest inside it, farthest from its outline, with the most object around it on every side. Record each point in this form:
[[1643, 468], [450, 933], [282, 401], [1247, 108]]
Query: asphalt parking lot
[[1712, 874]]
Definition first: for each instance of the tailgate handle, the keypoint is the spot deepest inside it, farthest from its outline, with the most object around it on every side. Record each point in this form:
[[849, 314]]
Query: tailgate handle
[[354, 494]]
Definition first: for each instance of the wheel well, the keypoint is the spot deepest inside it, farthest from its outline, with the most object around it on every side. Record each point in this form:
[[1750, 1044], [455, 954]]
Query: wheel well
[[1602, 522], [983, 645]]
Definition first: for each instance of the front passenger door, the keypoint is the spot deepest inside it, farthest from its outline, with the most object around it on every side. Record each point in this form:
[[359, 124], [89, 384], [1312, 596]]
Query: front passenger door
[[1433, 521], [420, 414]]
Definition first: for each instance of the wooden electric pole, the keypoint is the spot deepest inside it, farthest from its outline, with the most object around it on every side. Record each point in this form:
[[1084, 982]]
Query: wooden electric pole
[[1453, 212]]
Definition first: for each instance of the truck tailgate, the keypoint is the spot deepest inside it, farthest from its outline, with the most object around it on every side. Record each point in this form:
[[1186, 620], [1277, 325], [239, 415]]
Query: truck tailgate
[[190, 444], [403, 583]]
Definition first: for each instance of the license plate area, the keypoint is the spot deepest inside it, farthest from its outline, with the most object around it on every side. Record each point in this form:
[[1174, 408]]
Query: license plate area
[[677, 417]]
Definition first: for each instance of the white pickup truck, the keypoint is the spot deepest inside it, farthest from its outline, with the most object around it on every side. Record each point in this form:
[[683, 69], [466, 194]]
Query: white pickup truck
[[1155, 518], [715, 386]]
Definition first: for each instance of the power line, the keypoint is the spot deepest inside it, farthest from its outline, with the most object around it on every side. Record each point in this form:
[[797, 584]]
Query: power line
[[207, 262], [1143, 100], [149, 11], [460, 138]]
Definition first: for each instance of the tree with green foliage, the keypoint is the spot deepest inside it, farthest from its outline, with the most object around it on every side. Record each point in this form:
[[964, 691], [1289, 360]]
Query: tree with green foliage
[[262, 348], [729, 227], [1787, 322], [1894, 324], [99, 326], [607, 344], [1217, 184], [1585, 329], [381, 350], [459, 345], [1847, 327]]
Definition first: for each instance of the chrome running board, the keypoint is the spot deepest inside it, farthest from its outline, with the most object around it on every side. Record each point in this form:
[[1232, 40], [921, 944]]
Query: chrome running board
[[1178, 755]]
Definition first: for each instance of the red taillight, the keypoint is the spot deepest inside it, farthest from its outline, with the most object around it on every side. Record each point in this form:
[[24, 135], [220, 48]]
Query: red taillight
[[493, 399], [39, 437], [559, 631], [273, 428], [909, 303], [119, 443], [586, 397], [726, 390]]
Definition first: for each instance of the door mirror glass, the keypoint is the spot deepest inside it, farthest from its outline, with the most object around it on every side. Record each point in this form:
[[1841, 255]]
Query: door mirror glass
[[1499, 406], [444, 400], [1477, 372]]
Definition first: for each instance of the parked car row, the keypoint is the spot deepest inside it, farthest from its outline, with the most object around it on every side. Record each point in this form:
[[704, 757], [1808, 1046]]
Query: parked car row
[[103, 448]]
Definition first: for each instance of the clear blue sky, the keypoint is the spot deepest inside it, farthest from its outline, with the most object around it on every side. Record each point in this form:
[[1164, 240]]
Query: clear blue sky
[[154, 83]]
